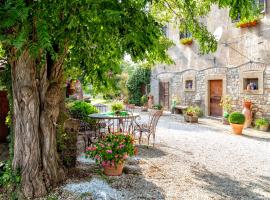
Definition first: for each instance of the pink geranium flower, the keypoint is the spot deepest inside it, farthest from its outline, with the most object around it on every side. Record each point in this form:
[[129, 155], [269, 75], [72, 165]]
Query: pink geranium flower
[[109, 151]]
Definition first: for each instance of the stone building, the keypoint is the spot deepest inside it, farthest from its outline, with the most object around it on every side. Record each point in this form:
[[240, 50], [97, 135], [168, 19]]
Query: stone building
[[239, 68]]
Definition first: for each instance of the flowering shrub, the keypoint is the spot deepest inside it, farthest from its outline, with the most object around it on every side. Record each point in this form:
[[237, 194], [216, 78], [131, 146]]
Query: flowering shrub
[[112, 149]]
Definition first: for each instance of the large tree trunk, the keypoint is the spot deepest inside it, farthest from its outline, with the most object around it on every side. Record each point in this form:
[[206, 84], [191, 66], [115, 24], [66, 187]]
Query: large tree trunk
[[36, 107]]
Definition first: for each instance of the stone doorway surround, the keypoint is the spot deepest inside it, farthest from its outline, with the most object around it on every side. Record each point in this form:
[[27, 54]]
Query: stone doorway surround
[[214, 74]]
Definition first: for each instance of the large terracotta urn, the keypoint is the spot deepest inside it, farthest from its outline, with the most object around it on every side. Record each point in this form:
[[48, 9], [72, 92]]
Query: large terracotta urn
[[247, 112]]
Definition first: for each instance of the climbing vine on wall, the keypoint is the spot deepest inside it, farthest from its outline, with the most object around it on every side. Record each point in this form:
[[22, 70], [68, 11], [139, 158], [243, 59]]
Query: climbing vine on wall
[[139, 78]]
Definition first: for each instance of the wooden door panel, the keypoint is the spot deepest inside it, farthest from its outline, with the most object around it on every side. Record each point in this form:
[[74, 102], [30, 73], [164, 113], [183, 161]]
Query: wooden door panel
[[164, 94], [215, 93], [3, 114]]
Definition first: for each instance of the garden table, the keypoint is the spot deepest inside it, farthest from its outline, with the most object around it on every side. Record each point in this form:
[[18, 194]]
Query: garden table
[[125, 122]]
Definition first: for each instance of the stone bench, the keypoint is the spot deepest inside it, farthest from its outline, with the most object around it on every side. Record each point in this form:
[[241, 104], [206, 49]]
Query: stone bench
[[180, 109]]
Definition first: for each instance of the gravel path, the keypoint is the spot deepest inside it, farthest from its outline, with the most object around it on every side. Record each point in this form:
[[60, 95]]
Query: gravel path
[[189, 162], [202, 162]]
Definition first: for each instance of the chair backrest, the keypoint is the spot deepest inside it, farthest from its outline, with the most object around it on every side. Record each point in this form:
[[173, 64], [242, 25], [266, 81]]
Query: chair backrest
[[102, 108], [130, 107], [153, 119]]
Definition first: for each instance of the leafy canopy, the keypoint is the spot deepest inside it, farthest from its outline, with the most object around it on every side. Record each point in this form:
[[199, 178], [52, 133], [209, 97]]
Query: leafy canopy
[[90, 35]]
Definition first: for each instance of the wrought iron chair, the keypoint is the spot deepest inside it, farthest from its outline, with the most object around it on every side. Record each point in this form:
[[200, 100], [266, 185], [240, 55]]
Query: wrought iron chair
[[149, 128]]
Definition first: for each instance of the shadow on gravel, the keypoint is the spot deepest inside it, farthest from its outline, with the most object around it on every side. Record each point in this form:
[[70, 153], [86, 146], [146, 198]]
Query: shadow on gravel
[[225, 187], [150, 152], [257, 138]]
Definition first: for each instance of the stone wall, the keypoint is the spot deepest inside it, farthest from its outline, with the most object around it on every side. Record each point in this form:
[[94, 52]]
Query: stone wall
[[241, 53]]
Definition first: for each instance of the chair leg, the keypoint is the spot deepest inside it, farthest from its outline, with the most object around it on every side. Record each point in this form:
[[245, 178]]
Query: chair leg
[[154, 139], [140, 137], [148, 140]]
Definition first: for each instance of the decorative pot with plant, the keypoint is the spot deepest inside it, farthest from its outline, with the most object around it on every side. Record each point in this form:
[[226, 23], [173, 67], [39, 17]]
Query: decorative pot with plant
[[144, 103], [111, 152], [117, 107], [192, 114], [186, 41], [262, 124], [237, 121], [247, 111], [226, 103], [250, 22], [157, 107]]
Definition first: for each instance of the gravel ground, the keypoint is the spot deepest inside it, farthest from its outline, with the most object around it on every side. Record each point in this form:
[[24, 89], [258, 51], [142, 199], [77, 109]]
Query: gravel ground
[[190, 161]]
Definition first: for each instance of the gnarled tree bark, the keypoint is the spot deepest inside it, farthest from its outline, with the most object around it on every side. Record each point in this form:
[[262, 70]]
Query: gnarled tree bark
[[37, 96]]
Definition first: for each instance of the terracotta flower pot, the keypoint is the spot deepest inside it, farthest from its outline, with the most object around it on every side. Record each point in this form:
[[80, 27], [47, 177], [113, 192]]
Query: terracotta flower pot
[[225, 121], [253, 23], [247, 104], [264, 128], [237, 128], [114, 170], [136, 150]]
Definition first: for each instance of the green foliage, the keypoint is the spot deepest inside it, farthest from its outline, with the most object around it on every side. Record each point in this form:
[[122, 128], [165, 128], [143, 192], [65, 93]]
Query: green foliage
[[144, 99], [226, 114], [117, 106], [226, 103], [157, 107], [237, 118], [194, 111], [261, 122], [112, 149], [81, 110], [9, 179], [140, 77]]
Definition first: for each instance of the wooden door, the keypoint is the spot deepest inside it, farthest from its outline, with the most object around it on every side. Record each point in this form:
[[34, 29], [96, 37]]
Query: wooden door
[[164, 94], [215, 93], [3, 114]]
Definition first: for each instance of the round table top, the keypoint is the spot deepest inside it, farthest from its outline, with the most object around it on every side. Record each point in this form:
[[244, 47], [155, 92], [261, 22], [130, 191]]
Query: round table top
[[108, 116]]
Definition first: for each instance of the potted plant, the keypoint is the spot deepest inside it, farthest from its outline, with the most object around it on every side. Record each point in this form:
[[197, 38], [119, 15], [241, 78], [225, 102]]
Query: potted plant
[[117, 107], [237, 121], [250, 22], [192, 114], [226, 103], [111, 152], [144, 103], [262, 124], [186, 41], [247, 111]]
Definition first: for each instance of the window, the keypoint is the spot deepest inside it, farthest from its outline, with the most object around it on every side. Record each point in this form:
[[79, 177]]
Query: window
[[189, 84], [261, 4], [185, 34], [250, 84], [164, 30]]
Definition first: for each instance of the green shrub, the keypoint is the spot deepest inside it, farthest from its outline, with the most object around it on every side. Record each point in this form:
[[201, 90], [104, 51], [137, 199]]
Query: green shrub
[[194, 111], [117, 106], [261, 122], [237, 118], [81, 110], [226, 115], [157, 107], [143, 99]]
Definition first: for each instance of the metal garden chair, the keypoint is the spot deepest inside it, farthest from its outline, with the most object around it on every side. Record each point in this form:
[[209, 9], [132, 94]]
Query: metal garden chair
[[149, 128]]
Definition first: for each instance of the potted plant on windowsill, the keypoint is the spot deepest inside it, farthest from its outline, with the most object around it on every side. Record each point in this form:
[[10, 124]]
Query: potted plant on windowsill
[[262, 124], [237, 121], [192, 114], [186, 41], [111, 152], [250, 22]]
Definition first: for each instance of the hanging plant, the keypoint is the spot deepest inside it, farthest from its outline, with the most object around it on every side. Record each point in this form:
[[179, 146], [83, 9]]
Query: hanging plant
[[186, 41]]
